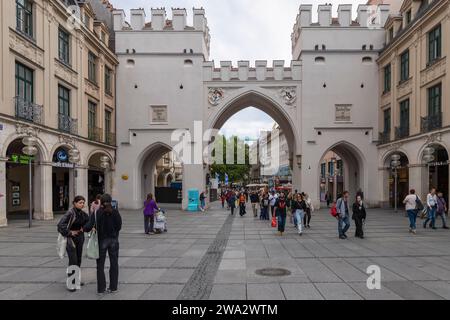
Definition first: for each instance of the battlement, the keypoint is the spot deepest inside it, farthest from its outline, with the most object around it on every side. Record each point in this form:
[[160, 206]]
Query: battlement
[[344, 18], [159, 20], [243, 71]]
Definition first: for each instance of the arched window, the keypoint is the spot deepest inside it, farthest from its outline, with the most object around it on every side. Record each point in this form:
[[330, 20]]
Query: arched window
[[367, 60], [320, 60]]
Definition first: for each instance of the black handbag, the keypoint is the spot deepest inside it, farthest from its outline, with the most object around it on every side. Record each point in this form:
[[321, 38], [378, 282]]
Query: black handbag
[[419, 204]]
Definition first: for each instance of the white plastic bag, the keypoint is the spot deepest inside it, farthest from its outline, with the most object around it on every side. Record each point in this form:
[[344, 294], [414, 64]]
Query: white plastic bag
[[61, 245]]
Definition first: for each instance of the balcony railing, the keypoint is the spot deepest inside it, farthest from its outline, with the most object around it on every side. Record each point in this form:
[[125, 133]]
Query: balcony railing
[[110, 139], [384, 137], [431, 123], [401, 132], [26, 110], [95, 134], [67, 124]]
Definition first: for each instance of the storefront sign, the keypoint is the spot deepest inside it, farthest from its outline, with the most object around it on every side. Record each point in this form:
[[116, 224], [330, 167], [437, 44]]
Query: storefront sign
[[63, 165], [21, 158], [439, 164]]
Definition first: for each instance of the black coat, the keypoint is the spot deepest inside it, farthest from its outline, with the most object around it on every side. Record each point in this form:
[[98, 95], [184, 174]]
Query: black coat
[[107, 225], [72, 220], [359, 211]]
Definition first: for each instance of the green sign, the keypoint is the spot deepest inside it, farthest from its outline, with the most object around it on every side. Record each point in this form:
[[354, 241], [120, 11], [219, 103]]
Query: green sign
[[21, 159]]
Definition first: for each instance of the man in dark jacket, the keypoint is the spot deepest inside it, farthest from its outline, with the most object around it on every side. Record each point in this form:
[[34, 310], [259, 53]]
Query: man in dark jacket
[[359, 215], [108, 224]]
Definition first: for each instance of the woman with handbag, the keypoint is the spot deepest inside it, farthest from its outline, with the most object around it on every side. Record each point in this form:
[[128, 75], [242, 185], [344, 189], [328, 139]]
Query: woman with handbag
[[359, 215], [107, 222], [71, 227], [412, 205], [150, 208]]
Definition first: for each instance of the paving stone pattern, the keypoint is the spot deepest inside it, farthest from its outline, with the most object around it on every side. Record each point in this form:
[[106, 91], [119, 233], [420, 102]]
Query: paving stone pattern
[[216, 256]]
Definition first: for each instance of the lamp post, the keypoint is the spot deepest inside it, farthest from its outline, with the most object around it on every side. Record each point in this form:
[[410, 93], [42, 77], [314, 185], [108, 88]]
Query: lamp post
[[105, 164], [30, 150], [74, 158], [395, 163]]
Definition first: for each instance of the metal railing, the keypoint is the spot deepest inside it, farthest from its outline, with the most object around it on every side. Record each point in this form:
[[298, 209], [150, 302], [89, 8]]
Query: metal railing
[[401, 132], [384, 137], [29, 111], [110, 139], [67, 124], [95, 134], [430, 123]]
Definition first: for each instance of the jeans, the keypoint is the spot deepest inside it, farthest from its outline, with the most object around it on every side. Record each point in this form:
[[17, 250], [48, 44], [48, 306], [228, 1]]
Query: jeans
[[345, 220], [149, 222], [307, 217], [412, 215], [110, 245], [75, 249], [431, 216], [255, 210], [298, 217], [242, 209], [232, 209], [443, 217], [281, 222]]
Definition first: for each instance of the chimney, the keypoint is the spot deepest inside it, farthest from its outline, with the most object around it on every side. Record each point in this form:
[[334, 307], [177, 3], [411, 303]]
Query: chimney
[[137, 19], [363, 15], [305, 15], [324, 15], [158, 18], [119, 19], [384, 13], [199, 19], [345, 15], [179, 19]]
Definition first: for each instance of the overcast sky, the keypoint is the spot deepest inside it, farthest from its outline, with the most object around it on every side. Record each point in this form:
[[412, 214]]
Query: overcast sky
[[243, 30]]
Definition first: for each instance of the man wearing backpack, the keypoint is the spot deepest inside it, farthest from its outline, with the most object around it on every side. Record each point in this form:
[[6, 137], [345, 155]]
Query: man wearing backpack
[[343, 212]]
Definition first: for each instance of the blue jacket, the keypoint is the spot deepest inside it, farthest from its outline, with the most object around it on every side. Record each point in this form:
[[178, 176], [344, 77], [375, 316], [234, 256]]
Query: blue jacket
[[340, 208]]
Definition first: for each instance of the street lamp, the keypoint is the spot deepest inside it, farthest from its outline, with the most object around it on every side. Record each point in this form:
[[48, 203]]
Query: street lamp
[[395, 163], [74, 158], [30, 150]]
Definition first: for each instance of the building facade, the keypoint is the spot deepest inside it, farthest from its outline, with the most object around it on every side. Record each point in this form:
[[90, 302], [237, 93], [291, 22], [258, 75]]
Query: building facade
[[414, 102], [57, 77]]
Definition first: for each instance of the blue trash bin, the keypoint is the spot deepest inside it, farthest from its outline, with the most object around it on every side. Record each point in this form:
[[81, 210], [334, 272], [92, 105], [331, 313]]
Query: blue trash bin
[[193, 196]]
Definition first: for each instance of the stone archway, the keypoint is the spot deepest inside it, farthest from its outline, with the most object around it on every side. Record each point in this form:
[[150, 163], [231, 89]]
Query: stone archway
[[388, 183], [284, 116]]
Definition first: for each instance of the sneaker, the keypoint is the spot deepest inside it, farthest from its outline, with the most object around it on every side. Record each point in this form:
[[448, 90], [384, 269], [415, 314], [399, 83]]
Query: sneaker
[[72, 290], [101, 294], [413, 231], [308, 226], [111, 291], [342, 237], [82, 284], [434, 228], [300, 233], [444, 227], [424, 225], [150, 233], [345, 236]]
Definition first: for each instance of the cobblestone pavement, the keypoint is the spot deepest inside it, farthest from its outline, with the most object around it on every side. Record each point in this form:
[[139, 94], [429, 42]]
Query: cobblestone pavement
[[214, 256]]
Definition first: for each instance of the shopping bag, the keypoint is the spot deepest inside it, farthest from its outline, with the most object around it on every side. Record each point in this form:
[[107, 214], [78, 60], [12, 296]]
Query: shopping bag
[[274, 222], [61, 245], [92, 250]]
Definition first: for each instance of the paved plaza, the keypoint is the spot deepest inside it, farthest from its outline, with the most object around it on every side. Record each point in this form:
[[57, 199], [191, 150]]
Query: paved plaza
[[215, 256]]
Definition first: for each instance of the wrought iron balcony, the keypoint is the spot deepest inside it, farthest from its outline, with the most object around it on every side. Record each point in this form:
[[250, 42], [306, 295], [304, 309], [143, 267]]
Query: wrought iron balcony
[[26, 110], [95, 134], [401, 132], [384, 137], [110, 139], [431, 123], [67, 124]]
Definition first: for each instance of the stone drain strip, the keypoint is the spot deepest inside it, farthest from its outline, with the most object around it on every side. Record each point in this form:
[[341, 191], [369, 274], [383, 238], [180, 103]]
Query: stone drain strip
[[200, 284]]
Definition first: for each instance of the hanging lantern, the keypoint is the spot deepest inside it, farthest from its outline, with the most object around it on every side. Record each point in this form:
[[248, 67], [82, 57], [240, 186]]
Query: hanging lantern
[[30, 150], [395, 163], [104, 159], [428, 151], [104, 165], [428, 158], [395, 157], [74, 153], [29, 141]]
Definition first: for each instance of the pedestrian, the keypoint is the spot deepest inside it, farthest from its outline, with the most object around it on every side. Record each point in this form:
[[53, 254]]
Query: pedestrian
[[150, 208], [232, 202], [280, 210], [272, 200], [298, 209], [442, 209], [222, 199], [360, 193], [254, 199], [95, 205], [265, 203], [202, 201], [71, 227], [431, 209], [343, 211], [411, 206], [309, 210], [108, 223], [242, 200], [359, 215]]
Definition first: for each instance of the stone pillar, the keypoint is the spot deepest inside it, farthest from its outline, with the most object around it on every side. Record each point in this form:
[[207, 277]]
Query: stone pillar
[[81, 181], [418, 179], [3, 199], [43, 187], [193, 178]]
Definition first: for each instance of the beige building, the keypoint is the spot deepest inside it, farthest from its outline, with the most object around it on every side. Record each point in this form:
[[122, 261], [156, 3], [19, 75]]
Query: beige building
[[57, 83], [168, 170], [414, 110]]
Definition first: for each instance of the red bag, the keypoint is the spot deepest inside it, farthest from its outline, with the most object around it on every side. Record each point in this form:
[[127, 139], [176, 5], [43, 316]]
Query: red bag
[[333, 210], [274, 222]]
